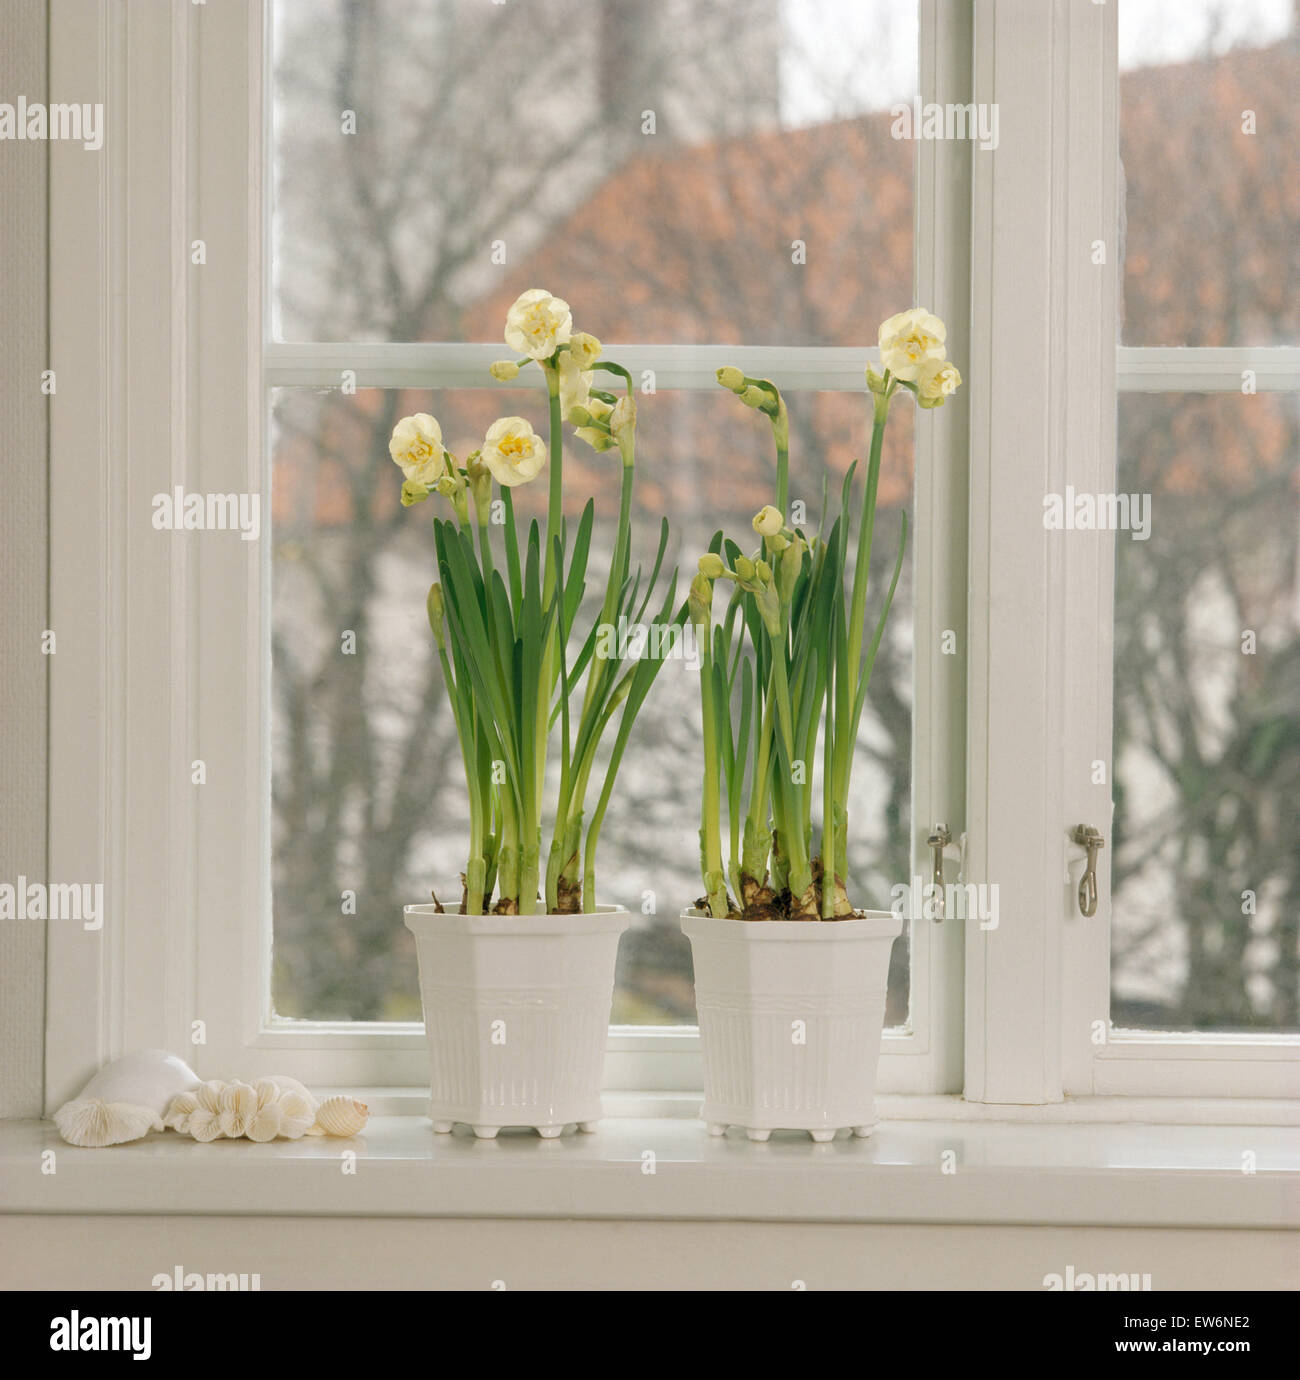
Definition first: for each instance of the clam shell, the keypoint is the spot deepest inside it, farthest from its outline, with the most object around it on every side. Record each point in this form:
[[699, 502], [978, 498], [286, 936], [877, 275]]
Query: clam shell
[[342, 1116], [146, 1078]]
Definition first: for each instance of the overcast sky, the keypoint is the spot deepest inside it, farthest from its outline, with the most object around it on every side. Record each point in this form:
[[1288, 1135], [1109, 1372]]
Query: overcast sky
[[841, 57]]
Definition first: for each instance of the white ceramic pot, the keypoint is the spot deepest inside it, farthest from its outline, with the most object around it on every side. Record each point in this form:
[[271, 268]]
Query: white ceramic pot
[[516, 1010], [790, 1019]]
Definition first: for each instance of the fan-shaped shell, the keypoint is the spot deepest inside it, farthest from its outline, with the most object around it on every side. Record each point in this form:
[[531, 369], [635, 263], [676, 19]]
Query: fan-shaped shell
[[94, 1122], [342, 1116]]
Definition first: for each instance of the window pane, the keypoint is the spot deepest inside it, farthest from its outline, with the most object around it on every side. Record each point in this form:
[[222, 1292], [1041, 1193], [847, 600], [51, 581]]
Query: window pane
[[1206, 879], [368, 809], [1210, 142], [684, 170]]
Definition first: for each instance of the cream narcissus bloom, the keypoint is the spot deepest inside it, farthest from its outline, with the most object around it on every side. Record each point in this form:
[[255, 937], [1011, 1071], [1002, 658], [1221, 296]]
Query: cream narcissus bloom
[[513, 451], [937, 381], [584, 349], [416, 445], [575, 384], [537, 324], [767, 521], [911, 340]]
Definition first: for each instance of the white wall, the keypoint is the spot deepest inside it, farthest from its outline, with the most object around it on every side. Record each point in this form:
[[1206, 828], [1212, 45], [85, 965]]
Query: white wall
[[126, 1252], [24, 546]]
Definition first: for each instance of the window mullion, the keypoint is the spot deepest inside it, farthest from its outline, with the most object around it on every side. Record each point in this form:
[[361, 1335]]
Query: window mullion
[[1042, 416]]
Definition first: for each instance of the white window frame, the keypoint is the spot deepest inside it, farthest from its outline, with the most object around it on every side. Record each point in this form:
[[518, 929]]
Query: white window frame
[[161, 382], [1045, 374]]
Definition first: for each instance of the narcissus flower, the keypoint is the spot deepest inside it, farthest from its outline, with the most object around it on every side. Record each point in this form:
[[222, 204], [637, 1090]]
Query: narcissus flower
[[767, 521], [911, 340], [416, 445], [575, 384], [513, 451], [584, 349], [537, 324], [623, 418], [937, 381]]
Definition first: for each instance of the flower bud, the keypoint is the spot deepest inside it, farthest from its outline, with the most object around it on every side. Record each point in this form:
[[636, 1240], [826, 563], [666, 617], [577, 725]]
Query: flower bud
[[435, 609], [744, 569], [712, 566], [701, 600], [875, 380], [763, 571], [767, 521], [413, 492], [503, 370], [754, 396], [579, 416], [731, 377]]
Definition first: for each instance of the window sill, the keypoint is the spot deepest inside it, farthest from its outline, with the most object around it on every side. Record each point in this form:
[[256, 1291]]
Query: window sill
[[1004, 1172]]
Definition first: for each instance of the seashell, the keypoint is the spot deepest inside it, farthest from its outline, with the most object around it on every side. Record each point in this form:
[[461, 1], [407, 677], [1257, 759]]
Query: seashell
[[265, 1122], [287, 1084], [342, 1116], [296, 1114], [267, 1092], [147, 1078], [93, 1122], [238, 1107], [177, 1115], [125, 1099], [205, 1125], [209, 1096]]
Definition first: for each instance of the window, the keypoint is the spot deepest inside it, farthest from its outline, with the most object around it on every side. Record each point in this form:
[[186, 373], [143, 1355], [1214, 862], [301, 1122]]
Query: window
[[720, 187], [230, 771], [1207, 695]]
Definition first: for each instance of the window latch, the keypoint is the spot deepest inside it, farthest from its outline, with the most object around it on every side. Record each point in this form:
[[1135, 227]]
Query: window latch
[[941, 846], [1092, 842]]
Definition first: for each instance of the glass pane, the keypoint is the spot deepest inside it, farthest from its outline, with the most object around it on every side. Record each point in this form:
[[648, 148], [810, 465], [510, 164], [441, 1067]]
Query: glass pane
[[367, 790], [684, 170], [1206, 880], [1210, 143]]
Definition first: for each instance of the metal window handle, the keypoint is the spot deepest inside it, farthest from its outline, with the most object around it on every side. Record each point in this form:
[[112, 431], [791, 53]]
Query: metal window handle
[[939, 839], [1091, 841]]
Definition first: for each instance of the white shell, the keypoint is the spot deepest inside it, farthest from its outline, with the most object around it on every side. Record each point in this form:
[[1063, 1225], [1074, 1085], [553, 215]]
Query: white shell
[[92, 1121], [125, 1099], [296, 1114], [147, 1078], [342, 1116], [238, 1108]]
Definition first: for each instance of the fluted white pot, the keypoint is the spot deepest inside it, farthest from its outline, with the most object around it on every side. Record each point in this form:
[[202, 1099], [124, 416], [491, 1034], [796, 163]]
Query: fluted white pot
[[516, 1011], [791, 1013]]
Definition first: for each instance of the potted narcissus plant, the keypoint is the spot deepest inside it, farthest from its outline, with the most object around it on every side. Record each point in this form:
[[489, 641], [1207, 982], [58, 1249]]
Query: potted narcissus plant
[[790, 975], [517, 978]]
